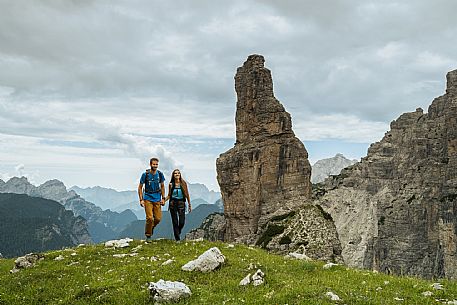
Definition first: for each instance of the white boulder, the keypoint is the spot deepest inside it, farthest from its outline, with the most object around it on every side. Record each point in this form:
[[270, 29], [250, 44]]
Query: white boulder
[[296, 255], [119, 243], [332, 296], [246, 280], [329, 265], [258, 278], [167, 291], [208, 261]]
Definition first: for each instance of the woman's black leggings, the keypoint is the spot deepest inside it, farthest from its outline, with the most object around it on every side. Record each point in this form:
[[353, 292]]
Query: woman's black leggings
[[178, 216]]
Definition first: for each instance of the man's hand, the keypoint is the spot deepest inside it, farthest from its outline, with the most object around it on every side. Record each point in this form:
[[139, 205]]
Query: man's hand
[[162, 201], [189, 208], [142, 203]]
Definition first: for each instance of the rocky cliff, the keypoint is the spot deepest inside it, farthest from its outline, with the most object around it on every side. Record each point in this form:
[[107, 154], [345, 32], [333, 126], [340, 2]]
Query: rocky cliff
[[396, 210], [329, 166], [266, 175]]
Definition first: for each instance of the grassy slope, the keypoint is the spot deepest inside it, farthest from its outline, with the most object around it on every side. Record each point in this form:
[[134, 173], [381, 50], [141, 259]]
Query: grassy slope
[[100, 278]]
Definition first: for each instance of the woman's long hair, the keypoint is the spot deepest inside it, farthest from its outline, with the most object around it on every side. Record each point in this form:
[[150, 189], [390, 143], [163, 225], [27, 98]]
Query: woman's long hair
[[183, 182]]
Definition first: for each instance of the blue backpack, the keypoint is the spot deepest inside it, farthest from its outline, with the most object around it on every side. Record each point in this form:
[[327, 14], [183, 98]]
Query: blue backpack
[[152, 182]]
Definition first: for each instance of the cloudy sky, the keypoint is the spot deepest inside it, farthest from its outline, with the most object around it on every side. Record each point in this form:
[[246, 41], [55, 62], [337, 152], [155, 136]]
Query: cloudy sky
[[90, 89]]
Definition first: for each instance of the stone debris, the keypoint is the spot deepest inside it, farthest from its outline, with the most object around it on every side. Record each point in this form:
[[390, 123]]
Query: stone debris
[[258, 278], [296, 255], [121, 255], [332, 296], [119, 243], [208, 261], [153, 259], [246, 280], [330, 265], [137, 248], [168, 291], [386, 282], [26, 261], [427, 293], [453, 302], [74, 254], [230, 246], [59, 258], [81, 245], [167, 262], [437, 286], [398, 299]]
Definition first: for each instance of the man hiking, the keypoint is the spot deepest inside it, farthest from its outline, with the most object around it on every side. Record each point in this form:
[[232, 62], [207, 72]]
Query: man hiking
[[152, 199]]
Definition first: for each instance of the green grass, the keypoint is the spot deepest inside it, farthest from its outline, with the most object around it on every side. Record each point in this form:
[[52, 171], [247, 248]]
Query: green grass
[[94, 276]]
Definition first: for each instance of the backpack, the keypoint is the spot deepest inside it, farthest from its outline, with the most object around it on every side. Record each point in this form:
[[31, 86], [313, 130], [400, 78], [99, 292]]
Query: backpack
[[151, 184]]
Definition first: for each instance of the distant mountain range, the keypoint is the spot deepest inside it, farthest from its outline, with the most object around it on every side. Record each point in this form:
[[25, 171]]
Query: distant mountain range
[[103, 224], [119, 201], [32, 224], [330, 166], [165, 228]]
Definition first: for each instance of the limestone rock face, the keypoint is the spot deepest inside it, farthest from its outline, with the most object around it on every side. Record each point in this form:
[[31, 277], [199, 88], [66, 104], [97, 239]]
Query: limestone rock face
[[396, 210], [212, 228], [268, 167], [330, 166]]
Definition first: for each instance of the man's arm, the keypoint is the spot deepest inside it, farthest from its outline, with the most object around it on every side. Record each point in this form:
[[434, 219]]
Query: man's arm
[[140, 194], [162, 190]]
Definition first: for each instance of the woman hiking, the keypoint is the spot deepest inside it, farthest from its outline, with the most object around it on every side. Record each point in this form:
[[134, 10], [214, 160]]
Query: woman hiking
[[178, 193]]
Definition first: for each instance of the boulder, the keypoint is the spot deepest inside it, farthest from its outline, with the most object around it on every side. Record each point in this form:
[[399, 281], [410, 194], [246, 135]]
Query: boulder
[[26, 261], [208, 261], [168, 291]]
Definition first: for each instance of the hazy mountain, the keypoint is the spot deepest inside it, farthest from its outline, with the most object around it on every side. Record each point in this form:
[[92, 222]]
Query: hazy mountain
[[330, 166], [165, 228], [32, 224], [106, 198], [103, 224]]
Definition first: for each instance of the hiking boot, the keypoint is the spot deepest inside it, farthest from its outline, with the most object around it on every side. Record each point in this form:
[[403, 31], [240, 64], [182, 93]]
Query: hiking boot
[[148, 239]]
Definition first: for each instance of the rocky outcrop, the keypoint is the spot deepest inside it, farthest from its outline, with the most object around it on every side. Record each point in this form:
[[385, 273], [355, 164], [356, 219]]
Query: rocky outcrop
[[396, 210], [330, 166], [265, 177], [268, 165], [212, 228]]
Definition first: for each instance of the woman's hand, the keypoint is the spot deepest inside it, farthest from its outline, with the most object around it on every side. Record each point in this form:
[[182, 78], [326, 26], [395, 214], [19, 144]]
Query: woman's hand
[[189, 208]]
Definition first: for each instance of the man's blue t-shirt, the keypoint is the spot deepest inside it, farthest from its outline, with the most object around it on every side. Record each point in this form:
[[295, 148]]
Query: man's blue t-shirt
[[153, 197]]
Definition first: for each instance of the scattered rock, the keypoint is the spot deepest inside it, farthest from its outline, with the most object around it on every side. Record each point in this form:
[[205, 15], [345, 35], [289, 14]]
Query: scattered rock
[[296, 255], [330, 265], [74, 254], [167, 291], [119, 243], [427, 293], [59, 258], [437, 286], [398, 299], [332, 296], [246, 280], [26, 261], [258, 278], [137, 248], [208, 261], [453, 302], [167, 262]]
